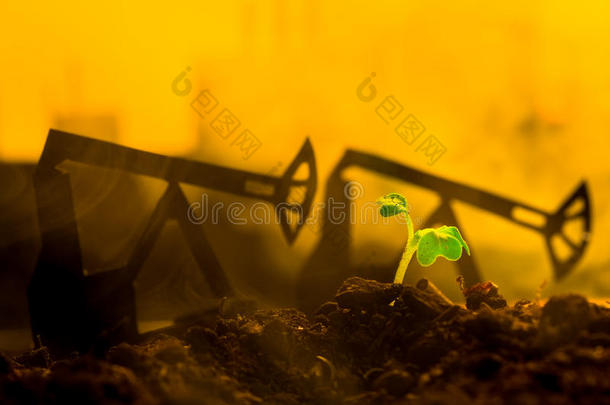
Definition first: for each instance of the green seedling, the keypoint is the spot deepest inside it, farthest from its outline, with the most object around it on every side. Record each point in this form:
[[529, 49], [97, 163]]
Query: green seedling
[[429, 243]]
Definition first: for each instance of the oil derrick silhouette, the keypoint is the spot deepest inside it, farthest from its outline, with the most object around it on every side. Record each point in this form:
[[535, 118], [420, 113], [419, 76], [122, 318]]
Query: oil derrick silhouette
[[74, 310], [329, 264]]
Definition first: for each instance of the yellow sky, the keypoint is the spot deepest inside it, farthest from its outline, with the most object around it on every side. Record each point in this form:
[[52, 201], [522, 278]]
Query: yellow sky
[[518, 92]]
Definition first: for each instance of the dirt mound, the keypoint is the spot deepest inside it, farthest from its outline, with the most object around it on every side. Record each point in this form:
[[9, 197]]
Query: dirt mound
[[373, 343]]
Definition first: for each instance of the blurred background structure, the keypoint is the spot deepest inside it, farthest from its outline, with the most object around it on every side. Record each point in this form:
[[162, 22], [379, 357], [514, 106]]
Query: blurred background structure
[[517, 93]]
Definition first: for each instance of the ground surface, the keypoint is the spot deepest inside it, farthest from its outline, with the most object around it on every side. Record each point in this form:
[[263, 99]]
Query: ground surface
[[373, 343]]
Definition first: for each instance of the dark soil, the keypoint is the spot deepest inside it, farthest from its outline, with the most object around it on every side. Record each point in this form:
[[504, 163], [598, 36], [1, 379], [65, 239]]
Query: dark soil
[[373, 343]]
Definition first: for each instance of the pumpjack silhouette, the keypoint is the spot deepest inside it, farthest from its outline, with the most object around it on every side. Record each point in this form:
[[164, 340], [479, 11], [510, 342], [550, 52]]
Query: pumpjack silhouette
[[329, 264], [73, 309]]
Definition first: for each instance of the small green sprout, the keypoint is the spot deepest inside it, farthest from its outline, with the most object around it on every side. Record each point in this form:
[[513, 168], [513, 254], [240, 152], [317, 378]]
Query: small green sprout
[[429, 243]]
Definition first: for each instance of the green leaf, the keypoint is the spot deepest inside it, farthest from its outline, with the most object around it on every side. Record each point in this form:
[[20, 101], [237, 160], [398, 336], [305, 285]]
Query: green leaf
[[445, 241], [453, 231], [392, 204]]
